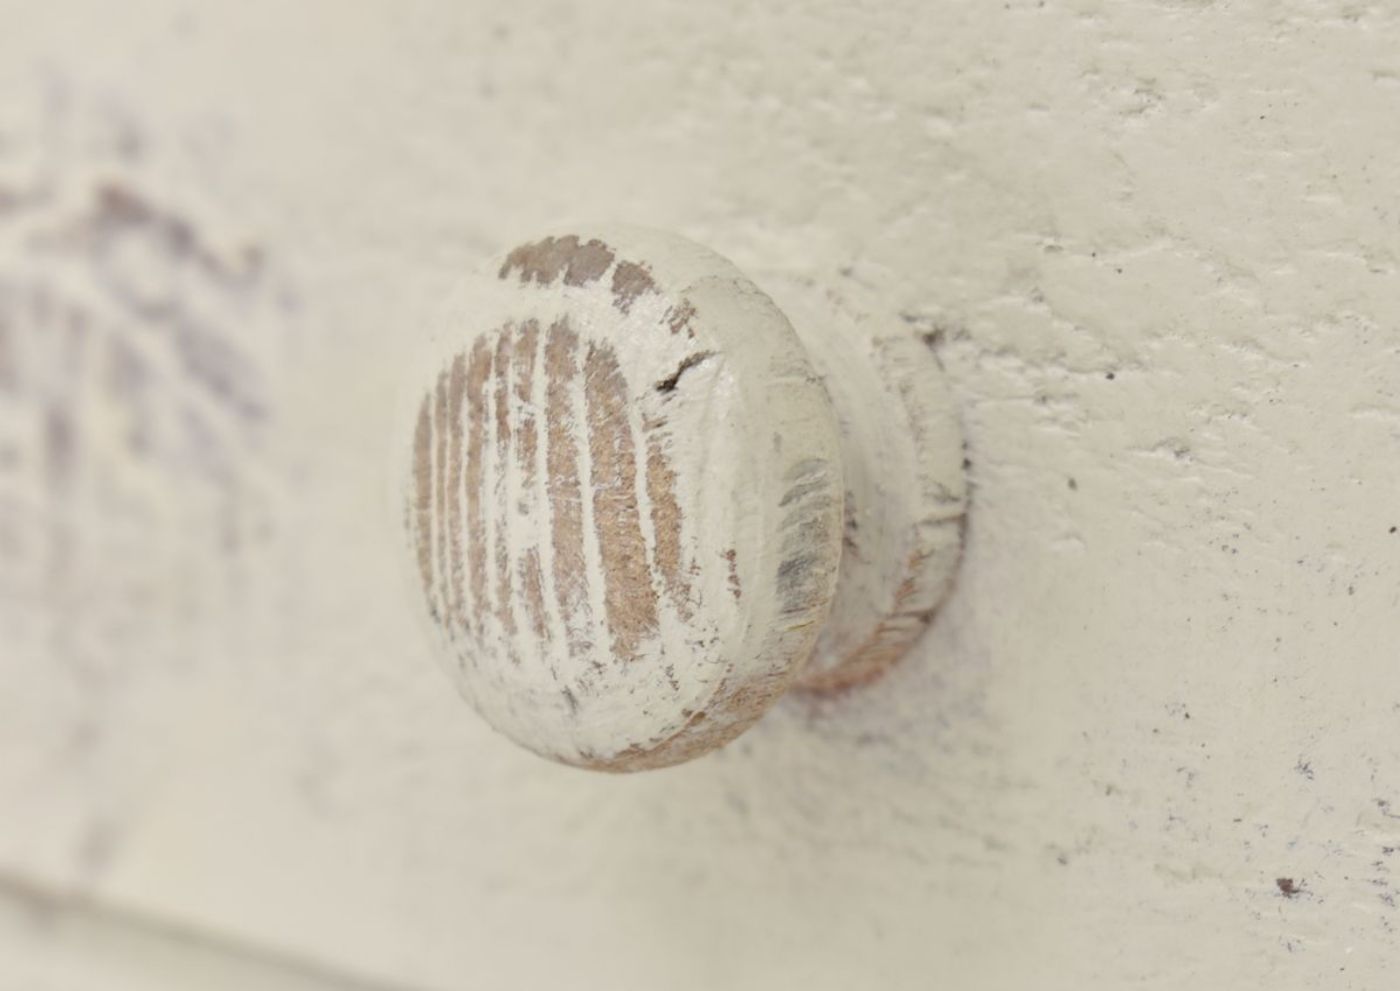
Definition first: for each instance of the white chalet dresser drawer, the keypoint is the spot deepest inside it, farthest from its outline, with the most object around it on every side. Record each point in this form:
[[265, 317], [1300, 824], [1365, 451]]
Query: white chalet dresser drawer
[[1151, 737]]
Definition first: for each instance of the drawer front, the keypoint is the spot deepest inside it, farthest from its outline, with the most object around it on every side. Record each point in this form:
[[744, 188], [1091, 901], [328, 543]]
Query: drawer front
[[1149, 739]]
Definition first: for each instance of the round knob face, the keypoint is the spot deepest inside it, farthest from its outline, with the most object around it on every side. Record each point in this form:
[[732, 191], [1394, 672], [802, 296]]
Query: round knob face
[[623, 497]]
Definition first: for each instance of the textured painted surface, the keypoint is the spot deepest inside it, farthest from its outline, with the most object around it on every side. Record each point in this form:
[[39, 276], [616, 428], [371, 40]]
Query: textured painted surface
[[1154, 246]]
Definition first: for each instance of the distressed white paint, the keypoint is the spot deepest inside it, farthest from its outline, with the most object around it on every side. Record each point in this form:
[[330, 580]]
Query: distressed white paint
[[905, 494], [649, 352], [625, 492], [1198, 199]]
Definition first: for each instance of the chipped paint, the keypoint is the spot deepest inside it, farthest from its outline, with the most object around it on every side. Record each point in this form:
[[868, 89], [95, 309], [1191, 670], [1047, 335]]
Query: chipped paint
[[628, 595], [684, 571], [905, 492], [634, 491]]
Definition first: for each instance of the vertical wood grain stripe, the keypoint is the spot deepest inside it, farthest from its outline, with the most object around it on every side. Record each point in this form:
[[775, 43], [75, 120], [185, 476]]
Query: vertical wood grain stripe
[[477, 374], [456, 389], [423, 499], [501, 488], [565, 488], [527, 449], [440, 477], [524, 394], [532, 582], [521, 396], [628, 594], [666, 522]]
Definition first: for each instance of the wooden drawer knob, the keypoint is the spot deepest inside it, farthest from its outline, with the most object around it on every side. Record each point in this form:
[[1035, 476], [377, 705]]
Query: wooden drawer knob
[[639, 505]]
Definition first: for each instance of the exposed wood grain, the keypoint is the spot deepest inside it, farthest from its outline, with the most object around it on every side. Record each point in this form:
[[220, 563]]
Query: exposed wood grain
[[629, 596], [546, 261], [479, 370], [666, 520], [532, 584], [423, 501], [441, 474], [500, 494], [565, 487], [630, 280], [528, 429], [456, 393], [607, 479]]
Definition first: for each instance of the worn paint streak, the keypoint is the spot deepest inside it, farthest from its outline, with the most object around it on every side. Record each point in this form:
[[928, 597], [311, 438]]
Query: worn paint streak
[[587, 262], [541, 261], [502, 392], [630, 281], [678, 318], [532, 589], [565, 486], [628, 594], [666, 522], [423, 499], [528, 440], [440, 461], [548, 260], [479, 371], [802, 578], [456, 389], [577, 263], [735, 589]]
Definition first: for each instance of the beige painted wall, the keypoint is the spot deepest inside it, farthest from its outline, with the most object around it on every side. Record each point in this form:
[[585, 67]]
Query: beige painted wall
[[1155, 247]]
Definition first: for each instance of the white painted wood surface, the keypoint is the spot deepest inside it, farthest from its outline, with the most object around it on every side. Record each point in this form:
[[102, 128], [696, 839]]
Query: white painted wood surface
[[621, 491], [905, 489], [1150, 740], [632, 505]]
